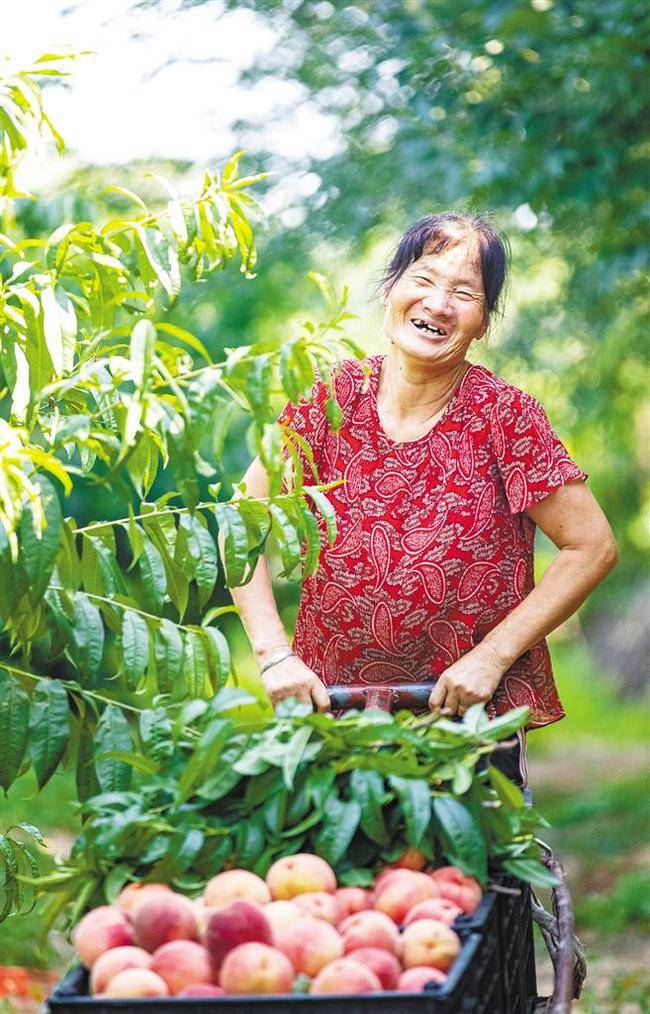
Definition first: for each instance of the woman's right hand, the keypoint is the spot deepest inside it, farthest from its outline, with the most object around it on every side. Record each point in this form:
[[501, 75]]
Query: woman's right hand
[[292, 678]]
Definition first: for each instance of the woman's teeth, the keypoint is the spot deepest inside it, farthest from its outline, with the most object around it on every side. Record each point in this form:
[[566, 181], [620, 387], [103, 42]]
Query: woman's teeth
[[422, 325]]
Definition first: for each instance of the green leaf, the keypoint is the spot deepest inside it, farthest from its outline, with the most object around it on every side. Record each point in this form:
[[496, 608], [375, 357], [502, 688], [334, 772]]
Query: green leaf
[[153, 576], [184, 847], [415, 802], [506, 790], [505, 725], [530, 870], [312, 540], [49, 728], [463, 841], [205, 759], [367, 787], [168, 652], [39, 549], [326, 510], [143, 342], [204, 554], [235, 543], [135, 648], [86, 775], [52, 330], [113, 735], [294, 751], [339, 825], [229, 698], [156, 733], [286, 538], [218, 656], [194, 664], [14, 723], [87, 635]]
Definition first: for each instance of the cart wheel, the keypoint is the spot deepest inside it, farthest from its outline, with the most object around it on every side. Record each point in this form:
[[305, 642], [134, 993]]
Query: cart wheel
[[565, 950]]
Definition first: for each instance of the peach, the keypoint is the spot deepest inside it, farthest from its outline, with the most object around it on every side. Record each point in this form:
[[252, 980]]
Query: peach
[[240, 922], [454, 885], [413, 980], [370, 929], [299, 874], [101, 929], [412, 859], [133, 982], [164, 917], [429, 942], [321, 905], [202, 989], [384, 964], [401, 890], [256, 968], [133, 894], [181, 963], [116, 960], [279, 913], [355, 899], [235, 885], [345, 976], [203, 914], [309, 944], [434, 908]]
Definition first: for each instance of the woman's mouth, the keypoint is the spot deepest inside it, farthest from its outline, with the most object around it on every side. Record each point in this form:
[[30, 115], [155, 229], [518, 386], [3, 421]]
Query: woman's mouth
[[428, 327]]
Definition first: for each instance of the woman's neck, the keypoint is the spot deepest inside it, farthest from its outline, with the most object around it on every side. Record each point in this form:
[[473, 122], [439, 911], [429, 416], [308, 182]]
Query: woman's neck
[[410, 392]]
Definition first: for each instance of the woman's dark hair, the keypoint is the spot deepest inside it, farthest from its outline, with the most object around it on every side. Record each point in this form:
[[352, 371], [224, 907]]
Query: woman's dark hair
[[433, 233]]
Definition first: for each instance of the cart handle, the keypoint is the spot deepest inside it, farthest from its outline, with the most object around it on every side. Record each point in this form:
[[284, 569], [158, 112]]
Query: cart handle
[[384, 697]]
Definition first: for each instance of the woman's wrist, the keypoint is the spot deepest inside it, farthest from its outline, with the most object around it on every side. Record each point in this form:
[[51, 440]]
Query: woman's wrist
[[263, 654], [274, 658]]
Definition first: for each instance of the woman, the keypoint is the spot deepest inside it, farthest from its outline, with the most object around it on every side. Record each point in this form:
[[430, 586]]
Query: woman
[[448, 469]]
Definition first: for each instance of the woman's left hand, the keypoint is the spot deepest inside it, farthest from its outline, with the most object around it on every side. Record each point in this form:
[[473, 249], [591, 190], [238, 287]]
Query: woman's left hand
[[471, 680]]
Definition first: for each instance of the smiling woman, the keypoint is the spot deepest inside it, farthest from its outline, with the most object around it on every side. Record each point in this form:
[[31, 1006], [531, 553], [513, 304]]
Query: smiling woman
[[447, 470]]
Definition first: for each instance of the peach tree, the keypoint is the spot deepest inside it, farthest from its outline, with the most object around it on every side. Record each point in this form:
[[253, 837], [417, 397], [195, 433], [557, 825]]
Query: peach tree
[[101, 392], [113, 663]]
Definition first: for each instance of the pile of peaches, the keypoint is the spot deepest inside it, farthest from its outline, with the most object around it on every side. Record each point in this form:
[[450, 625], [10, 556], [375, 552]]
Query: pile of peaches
[[295, 930]]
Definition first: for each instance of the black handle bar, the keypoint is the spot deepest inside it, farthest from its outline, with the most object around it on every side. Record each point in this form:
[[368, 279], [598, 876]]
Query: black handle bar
[[385, 697]]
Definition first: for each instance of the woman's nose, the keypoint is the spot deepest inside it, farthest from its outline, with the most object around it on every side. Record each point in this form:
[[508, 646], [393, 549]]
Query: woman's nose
[[437, 299]]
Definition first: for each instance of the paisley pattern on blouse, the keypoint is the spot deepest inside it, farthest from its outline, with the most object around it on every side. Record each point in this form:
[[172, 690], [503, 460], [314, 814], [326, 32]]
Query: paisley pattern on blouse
[[434, 547]]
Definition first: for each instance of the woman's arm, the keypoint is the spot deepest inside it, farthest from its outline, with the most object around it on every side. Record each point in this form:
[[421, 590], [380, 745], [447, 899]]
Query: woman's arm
[[259, 614], [573, 520]]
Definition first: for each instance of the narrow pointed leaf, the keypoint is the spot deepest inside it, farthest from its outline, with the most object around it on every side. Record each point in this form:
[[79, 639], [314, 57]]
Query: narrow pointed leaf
[[39, 550], [49, 728], [113, 735], [135, 648], [14, 723], [168, 652]]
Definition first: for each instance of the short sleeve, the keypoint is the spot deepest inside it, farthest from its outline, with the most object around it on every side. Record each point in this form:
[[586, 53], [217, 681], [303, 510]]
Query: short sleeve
[[532, 460], [308, 418]]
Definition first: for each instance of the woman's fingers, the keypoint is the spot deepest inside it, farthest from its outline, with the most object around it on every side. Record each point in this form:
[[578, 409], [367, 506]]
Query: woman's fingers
[[320, 695], [292, 678], [438, 694]]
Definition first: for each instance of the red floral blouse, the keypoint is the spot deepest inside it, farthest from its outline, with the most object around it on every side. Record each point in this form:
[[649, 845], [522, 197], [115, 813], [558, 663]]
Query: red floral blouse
[[434, 545]]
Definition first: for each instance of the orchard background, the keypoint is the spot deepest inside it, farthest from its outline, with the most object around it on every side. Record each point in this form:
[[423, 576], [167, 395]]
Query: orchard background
[[354, 120]]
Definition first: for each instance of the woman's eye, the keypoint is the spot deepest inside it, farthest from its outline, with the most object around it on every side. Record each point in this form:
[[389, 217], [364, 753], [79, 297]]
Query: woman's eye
[[464, 295]]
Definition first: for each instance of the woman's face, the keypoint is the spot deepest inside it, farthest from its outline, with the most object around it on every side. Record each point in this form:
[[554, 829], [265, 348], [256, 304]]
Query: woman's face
[[436, 308]]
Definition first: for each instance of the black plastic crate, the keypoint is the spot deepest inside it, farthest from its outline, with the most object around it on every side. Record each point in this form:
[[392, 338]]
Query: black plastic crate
[[473, 986], [515, 932], [493, 974]]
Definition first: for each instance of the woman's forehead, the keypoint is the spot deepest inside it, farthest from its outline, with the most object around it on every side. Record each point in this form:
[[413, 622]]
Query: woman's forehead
[[463, 256]]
